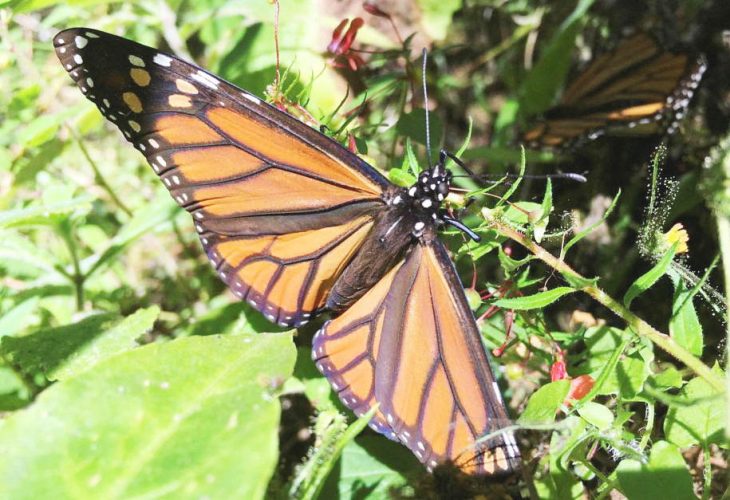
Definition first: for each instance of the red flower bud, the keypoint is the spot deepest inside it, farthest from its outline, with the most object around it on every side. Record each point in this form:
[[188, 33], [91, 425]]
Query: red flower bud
[[373, 9]]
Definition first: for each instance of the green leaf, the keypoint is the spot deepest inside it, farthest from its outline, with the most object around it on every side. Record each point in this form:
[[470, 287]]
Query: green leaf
[[536, 301], [664, 476], [541, 84], [194, 417], [401, 177], [684, 325], [413, 125], [698, 417], [541, 224], [38, 214], [596, 414], [61, 352], [668, 377], [18, 317], [436, 16], [371, 467], [647, 280], [614, 371], [121, 337], [544, 403]]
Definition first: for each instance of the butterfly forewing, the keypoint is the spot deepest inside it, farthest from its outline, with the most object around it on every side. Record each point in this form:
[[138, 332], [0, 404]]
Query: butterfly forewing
[[638, 88], [280, 208], [411, 346]]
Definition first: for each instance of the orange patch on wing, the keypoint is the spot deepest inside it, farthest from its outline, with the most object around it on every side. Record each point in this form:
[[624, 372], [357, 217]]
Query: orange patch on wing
[[214, 163], [418, 350], [258, 274], [637, 111], [332, 264], [283, 148], [438, 415], [360, 379], [234, 252], [180, 130], [285, 293], [455, 350], [292, 192], [341, 351]]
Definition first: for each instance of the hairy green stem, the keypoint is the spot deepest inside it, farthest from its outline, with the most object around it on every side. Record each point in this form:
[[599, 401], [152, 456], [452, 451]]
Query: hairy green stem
[[636, 324]]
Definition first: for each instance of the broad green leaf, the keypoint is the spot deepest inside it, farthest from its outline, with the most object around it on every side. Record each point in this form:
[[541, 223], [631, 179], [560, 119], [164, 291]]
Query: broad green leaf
[[698, 416], [647, 280], [536, 301], [371, 467], [48, 349], [121, 337], [196, 417], [664, 476], [596, 414], [545, 402], [684, 325]]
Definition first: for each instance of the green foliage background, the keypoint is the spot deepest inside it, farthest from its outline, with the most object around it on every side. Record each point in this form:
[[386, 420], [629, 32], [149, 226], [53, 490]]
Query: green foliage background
[[127, 370]]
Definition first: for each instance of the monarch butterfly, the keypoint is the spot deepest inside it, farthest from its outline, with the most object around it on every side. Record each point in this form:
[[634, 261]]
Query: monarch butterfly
[[637, 88], [294, 223]]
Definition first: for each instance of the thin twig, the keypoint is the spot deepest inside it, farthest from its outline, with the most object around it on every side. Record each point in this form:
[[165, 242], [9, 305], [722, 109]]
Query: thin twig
[[97, 174]]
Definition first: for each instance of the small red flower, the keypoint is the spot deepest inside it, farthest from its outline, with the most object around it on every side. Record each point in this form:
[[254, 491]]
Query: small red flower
[[579, 386], [558, 371], [340, 45]]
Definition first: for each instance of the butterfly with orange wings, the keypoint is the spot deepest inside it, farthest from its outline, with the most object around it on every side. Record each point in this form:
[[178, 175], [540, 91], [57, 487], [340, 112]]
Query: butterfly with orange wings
[[637, 89], [295, 224]]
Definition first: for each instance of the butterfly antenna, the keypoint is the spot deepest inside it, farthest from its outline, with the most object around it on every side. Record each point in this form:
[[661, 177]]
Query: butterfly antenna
[[425, 107], [570, 176]]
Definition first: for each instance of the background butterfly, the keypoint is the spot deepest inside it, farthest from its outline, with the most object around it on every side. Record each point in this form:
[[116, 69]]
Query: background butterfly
[[637, 88], [294, 224]]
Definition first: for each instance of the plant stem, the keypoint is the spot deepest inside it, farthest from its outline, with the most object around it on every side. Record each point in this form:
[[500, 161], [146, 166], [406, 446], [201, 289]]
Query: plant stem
[[97, 175], [636, 324], [77, 278]]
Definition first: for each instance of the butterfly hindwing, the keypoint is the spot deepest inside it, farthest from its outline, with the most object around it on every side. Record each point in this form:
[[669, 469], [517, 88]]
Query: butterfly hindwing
[[637, 88], [279, 207], [411, 346]]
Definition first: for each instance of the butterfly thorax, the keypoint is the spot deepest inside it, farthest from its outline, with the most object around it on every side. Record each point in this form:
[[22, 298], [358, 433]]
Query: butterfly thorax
[[412, 214], [422, 201]]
